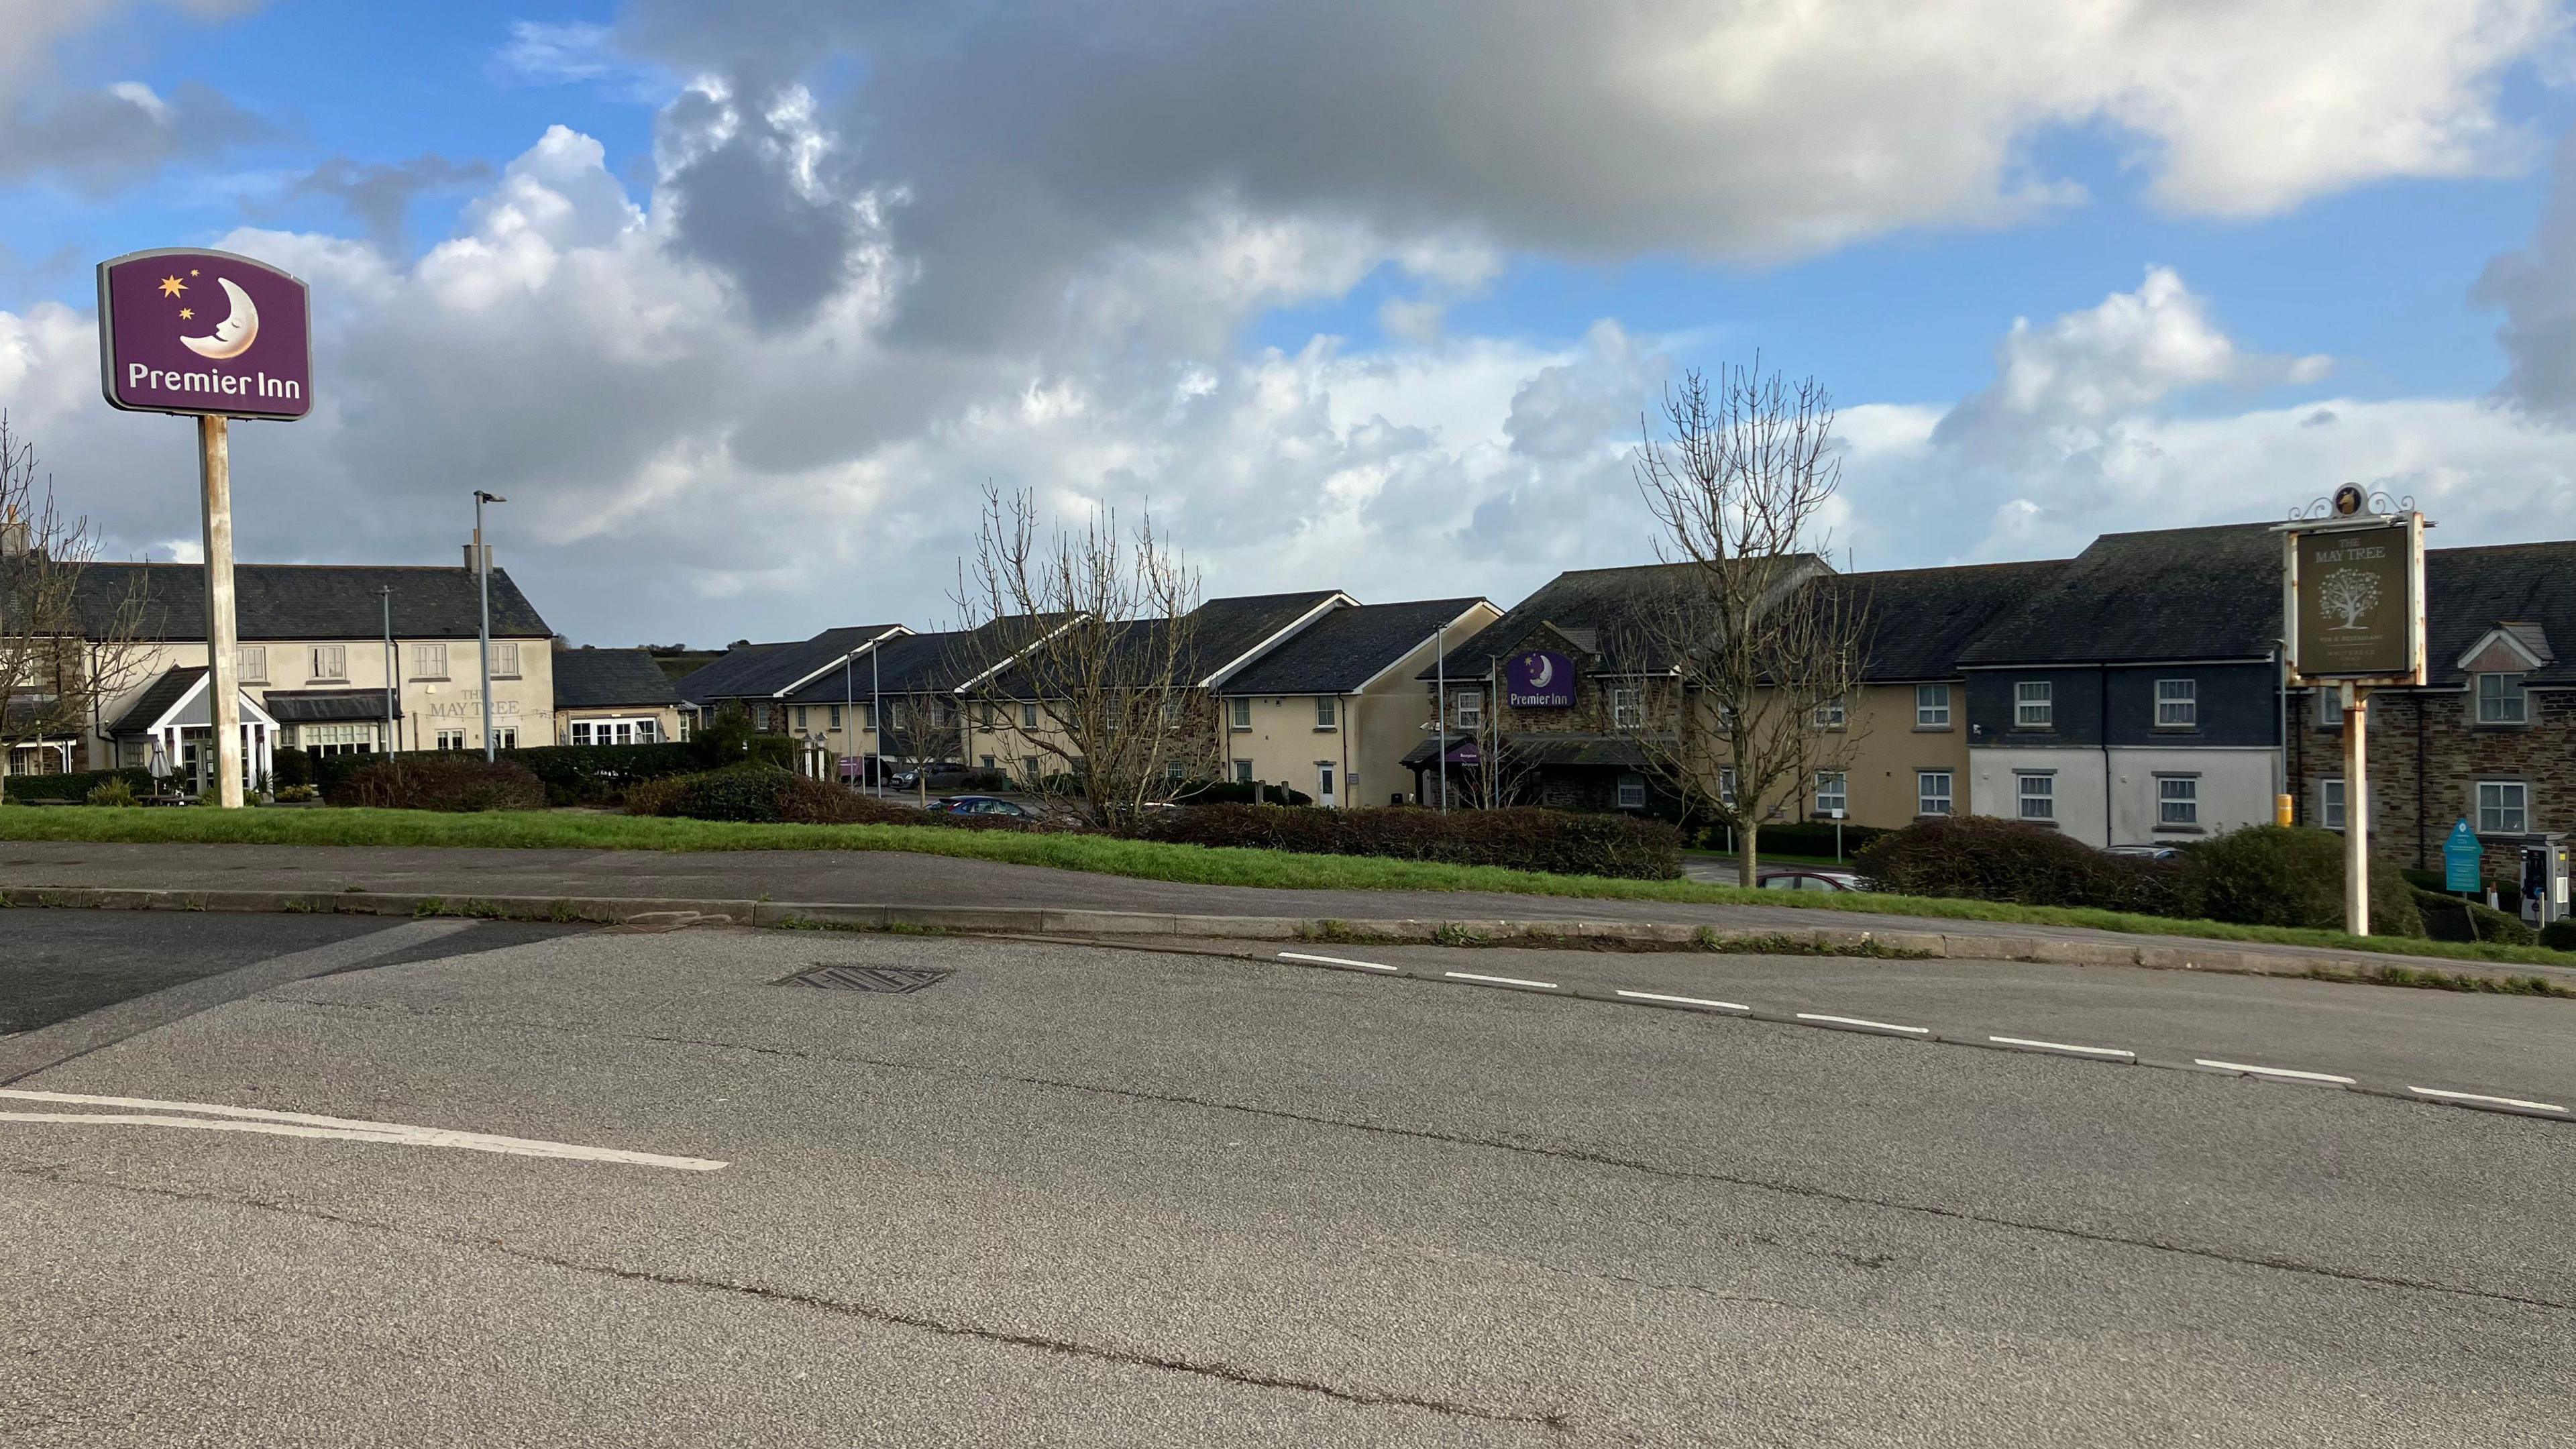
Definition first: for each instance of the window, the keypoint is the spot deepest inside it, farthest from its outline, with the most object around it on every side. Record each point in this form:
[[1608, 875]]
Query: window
[[1469, 711], [988, 762], [2177, 704], [1632, 792], [330, 661], [646, 732], [2503, 807], [1625, 712], [451, 739], [1831, 794], [1243, 772], [1239, 714], [2500, 699], [251, 663], [1327, 713], [337, 739], [1028, 716], [2034, 704], [2330, 804], [2038, 795], [1931, 706], [1726, 784], [1173, 774], [505, 659], [581, 732], [2177, 800], [836, 718], [800, 719], [505, 737], [1931, 792], [2329, 709], [429, 661], [1829, 715]]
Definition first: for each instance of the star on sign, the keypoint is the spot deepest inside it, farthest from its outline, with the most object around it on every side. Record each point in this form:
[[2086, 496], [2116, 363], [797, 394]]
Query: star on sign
[[172, 286], [187, 313]]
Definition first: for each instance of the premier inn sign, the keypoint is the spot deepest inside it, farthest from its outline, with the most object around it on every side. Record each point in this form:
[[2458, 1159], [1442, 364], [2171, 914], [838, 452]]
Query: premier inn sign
[[204, 332], [2357, 607]]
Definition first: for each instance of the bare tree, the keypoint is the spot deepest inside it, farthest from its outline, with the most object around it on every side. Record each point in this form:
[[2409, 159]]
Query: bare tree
[[1093, 625], [1751, 651], [920, 729], [65, 649]]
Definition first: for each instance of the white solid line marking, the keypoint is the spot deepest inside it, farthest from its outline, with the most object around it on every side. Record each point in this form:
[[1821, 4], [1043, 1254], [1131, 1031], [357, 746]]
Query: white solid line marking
[[1499, 980], [2059, 1046], [306, 1124], [1685, 1000], [1335, 961], [2437, 1092], [1864, 1021], [2272, 1071]]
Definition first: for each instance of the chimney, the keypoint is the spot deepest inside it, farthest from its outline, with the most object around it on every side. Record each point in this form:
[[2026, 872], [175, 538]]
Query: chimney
[[13, 537], [469, 557]]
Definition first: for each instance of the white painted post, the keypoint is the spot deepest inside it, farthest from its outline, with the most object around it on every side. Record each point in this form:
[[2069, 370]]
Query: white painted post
[[223, 700], [2356, 810]]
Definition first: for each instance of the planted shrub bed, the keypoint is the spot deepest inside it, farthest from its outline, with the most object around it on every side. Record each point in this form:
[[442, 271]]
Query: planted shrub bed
[[73, 787], [1557, 841], [450, 781], [571, 774]]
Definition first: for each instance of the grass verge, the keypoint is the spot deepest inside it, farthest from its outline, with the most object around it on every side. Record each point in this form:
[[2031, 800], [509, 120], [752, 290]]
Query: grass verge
[[1102, 855]]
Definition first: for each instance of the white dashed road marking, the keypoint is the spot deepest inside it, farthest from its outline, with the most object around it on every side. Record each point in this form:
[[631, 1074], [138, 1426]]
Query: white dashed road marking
[[1335, 961], [2439, 1095], [2282, 1072], [209, 1117], [1685, 1000], [2114, 1053], [1865, 1022], [1500, 980]]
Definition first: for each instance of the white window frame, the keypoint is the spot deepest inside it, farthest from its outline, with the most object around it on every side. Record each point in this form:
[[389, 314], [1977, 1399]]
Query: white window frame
[[2329, 708], [1627, 709], [1926, 797], [835, 717], [2330, 803], [429, 661], [2034, 710], [1028, 716], [1931, 706], [2046, 796], [2508, 705], [1831, 715], [1328, 713], [330, 663], [505, 659], [1238, 714], [2177, 801], [2177, 704], [800, 719], [451, 739], [2500, 818], [1632, 791], [250, 662], [505, 737], [1726, 784], [1467, 710], [1833, 792], [1243, 772]]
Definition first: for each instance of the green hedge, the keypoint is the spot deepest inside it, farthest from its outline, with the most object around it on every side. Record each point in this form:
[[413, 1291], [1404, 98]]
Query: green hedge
[[74, 787], [765, 794], [572, 774], [2449, 918], [452, 780], [1560, 841], [1810, 838]]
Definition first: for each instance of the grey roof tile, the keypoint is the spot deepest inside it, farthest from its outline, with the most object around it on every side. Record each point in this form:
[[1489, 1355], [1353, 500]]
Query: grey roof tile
[[1346, 648], [610, 678], [312, 601], [2175, 593]]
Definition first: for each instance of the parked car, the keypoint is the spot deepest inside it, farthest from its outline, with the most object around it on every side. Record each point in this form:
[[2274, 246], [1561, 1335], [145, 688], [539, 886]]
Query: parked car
[[1808, 878], [934, 778], [2145, 852], [985, 805]]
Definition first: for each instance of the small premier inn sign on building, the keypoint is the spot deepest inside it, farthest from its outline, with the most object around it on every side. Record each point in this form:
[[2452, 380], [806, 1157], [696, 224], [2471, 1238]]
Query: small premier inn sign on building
[[1539, 679], [204, 332]]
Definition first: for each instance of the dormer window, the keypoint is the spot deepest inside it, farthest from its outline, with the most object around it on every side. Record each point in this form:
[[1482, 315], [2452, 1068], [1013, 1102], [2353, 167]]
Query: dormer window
[[2501, 700]]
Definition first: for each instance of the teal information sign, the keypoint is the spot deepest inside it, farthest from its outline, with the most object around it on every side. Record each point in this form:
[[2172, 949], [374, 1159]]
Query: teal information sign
[[2460, 859]]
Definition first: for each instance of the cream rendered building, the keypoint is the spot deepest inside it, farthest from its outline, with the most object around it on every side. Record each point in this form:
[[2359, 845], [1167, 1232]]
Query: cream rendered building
[[1332, 711]]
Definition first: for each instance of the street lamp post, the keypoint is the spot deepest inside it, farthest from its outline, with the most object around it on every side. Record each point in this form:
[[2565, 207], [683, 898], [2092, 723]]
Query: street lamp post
[[483, 577]]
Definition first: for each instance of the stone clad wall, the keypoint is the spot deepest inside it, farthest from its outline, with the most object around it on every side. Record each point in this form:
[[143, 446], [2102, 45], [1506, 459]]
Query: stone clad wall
[[2426, 757]]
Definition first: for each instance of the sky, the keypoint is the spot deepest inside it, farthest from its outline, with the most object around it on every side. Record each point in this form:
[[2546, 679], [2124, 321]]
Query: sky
[[743, 306]]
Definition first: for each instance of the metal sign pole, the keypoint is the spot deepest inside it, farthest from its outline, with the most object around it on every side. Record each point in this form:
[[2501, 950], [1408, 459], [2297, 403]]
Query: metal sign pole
[[223, 703], [1440, 710]]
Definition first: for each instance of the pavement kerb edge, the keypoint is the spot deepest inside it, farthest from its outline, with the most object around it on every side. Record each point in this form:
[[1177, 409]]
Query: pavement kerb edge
[[1050, 921]]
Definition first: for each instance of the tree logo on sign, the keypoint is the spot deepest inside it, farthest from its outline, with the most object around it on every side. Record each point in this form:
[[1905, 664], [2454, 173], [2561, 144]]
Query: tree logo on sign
[[2348, 594]]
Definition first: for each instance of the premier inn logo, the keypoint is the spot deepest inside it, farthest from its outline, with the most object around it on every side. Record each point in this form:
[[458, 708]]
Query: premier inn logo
[[231, 337]]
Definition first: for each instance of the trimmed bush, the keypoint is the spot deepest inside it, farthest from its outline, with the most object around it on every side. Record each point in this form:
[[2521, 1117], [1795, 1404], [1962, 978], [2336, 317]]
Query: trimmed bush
[[573, 774], [2449, 918], [1809, 838], [1987, 858], [2558, 935], [455, 780], [2281, 875], [290, 768], [1238, 792], [1518, 839], [75, 786], [766, 794]]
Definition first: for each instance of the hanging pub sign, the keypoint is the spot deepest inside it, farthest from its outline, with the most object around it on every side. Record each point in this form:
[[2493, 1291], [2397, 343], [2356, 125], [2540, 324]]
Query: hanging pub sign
[[203, 332], [2355, 600], [1538, 679]]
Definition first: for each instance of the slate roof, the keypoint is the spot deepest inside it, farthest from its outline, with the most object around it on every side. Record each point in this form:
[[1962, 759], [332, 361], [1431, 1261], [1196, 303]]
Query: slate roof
[[760, 671], [2470, 591], [156, 699], [311, 601], [927, 663], [1915, 623], [1598, 610], [1221, 631], [1346, 648], [2175, 593], [322, 706], [610, 678]]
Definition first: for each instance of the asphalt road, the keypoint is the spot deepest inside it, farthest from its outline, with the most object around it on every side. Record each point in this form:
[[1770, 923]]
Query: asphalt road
[[1072, 1195]]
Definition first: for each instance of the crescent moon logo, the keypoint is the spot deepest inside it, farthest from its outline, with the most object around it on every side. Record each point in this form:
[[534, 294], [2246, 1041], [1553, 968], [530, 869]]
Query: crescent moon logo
[[233, 335], [1545, 671]]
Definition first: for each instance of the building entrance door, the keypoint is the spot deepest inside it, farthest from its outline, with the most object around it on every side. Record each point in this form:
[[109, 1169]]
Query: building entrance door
[[1324, 783]]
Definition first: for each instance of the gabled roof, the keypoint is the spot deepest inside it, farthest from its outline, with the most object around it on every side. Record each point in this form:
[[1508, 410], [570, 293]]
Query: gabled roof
[[610, 678], [1915, 623], [172, 690], [1610, 608], [763, 671], [912, 663], [310, 601], [2175, 593], [2527, 590], [1346, 648], [1226, 633]]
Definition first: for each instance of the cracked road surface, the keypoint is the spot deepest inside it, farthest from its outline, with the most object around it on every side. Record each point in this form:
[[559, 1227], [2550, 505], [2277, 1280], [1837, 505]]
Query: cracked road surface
[[1073, 1195]]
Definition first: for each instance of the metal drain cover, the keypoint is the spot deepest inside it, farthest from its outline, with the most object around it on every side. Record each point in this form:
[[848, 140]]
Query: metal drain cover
[[866, 978]]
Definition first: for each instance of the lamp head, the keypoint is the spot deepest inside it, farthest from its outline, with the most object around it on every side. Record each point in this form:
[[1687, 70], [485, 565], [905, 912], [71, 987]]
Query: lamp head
[[483, 497]]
